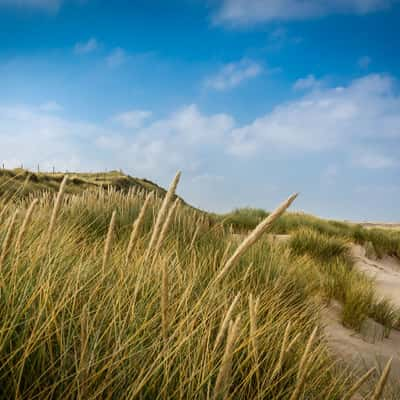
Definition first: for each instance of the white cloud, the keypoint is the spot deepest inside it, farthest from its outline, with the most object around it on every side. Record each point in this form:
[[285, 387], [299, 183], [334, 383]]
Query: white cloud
[[132, 119], [209, 147], [373, 160], [279, 34], [47, 5], [181, 139], [51, 106], [233, 74], [324, 119], [364, 62], [242, 12], [116, 58], [341, 118], [280, 37], [309, 82], [30, 135], [86, 47]]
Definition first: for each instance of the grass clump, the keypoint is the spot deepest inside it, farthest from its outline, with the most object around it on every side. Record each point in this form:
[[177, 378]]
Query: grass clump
[[383, 241], [383, 312], [358, 302], [340, 281], [319, 246]]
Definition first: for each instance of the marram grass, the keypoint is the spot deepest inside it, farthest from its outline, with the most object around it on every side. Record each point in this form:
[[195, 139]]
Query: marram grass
[[95, 316]]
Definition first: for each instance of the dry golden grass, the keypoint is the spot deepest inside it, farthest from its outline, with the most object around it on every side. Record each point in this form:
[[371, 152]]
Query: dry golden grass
[[115, 310]]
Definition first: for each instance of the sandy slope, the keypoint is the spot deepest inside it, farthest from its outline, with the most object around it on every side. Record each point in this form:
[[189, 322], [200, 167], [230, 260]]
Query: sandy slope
[[378, 225], [381, 225], [385, 272], [361, 350], [368, 348]]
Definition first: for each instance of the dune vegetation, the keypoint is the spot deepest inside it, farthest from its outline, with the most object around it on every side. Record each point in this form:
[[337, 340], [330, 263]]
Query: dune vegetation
[[382, 241], [127, 292]]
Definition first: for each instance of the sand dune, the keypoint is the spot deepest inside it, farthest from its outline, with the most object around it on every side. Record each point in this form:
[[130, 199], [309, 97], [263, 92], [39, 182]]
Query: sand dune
[[369, 347], [385, 272]]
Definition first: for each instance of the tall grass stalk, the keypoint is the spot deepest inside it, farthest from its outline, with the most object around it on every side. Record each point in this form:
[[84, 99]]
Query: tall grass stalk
[[4, 209], [353, 390], [162, 212], [223, 379], [6, 242], [255, 235], [22, 229], [164, 299], [196, 233], [253, 310], [303, 367], [382, 381], [137, 225], [107, 244], [57, 206], [225, 322], [285, 347], [164, 229]]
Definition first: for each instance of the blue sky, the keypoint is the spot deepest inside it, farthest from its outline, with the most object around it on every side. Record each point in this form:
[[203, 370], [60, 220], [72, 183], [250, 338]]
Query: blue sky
[[251, 99]]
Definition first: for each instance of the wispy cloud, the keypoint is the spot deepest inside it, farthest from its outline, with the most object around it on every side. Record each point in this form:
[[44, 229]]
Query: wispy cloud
[[45, 5], [307, 83], [51, 106], [86, 47], [132, 119], [280, 37], [364, 62], [116, 58], [233, 74], [373, 160], [244, 12]]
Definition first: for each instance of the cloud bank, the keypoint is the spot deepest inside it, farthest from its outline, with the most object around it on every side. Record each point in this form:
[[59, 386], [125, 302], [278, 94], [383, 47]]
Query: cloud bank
[[245, 12], [345, 121], [325, 118], [46, 5]]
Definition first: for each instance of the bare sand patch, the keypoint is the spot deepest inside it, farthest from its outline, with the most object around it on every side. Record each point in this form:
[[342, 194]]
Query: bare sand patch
[[381, 225], [385, 272], [363, 350], [369, 348]]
